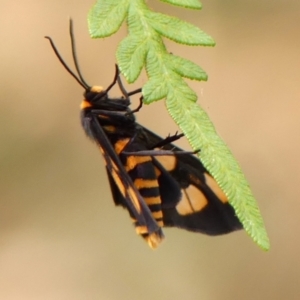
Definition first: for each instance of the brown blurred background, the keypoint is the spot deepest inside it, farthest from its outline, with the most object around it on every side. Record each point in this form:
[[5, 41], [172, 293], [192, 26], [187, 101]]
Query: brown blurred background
[[61, 236]]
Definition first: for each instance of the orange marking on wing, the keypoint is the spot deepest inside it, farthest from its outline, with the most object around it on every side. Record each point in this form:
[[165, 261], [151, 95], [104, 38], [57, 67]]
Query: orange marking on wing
[[132, 196], [211, 182], [193, 200], [167, 161], [85, 104], [141, 229], [120, 145], [157, 172], [132, 161], [153, 240], [118, 182]]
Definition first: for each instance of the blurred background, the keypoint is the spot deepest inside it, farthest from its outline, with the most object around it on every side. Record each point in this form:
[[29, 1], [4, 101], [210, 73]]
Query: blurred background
[[61, 236]]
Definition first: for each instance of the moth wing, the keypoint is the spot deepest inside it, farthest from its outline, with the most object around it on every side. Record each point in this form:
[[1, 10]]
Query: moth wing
[[118, 177], [202, 205]]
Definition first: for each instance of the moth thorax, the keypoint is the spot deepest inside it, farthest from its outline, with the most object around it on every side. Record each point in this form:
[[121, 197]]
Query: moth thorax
[[97, 89]]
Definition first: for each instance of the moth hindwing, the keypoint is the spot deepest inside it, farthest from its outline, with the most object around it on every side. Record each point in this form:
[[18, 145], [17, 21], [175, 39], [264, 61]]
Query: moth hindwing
[[158, 183]]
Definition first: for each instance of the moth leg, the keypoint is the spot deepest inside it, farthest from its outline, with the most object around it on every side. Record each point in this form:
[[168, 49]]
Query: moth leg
[[128, 94], [122, 88], [117, 72], [158, 152], [168, 140], [138, 108], [98, 112], [135, 92]]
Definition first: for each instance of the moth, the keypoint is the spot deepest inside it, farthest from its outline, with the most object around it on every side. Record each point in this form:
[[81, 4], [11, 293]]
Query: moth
[[158, 183]]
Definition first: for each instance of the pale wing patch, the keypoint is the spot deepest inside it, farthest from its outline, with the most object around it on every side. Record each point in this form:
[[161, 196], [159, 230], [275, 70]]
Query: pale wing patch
[[210, 181], [132, 161], [141, 230], [120, 145], [125, 191], [118, 182], [154, 240], [167, 161], [193, 200], [132, 196]]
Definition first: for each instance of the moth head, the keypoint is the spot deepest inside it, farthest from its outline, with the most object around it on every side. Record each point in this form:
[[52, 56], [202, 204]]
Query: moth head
[[95, 96]]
